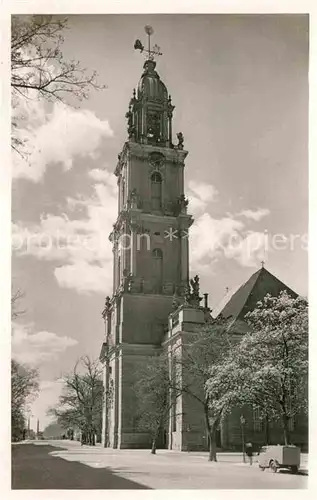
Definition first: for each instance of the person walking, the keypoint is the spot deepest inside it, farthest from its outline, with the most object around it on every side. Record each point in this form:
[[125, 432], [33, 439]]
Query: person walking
[[249, 452], [83, 438]]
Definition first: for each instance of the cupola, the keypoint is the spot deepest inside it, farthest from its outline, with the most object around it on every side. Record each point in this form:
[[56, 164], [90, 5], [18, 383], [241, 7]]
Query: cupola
[[150, 110], [150, 85]]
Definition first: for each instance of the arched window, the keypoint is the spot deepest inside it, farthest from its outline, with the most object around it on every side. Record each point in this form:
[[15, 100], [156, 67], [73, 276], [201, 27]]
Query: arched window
[[157, 266], [156, 190]]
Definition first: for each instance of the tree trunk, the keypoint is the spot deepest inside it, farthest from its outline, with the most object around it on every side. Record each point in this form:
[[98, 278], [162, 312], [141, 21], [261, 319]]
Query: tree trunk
[[153, 449], [213, 450], [285, 421], [267, 430], [212, 457]]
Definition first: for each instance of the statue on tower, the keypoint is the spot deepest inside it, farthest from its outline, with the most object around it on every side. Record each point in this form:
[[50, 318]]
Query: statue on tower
[[106, 307], [133, 99], [175, 303], [195, 288], [180, 138], [187, 296], [183, 203], [191, 296], [131, 128], [180, 206]]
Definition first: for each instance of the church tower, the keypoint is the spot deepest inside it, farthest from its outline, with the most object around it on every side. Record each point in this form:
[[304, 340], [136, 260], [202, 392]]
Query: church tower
[[150, 249]]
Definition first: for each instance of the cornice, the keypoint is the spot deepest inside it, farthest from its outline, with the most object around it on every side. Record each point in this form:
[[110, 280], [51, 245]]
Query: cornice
[[142, 151]]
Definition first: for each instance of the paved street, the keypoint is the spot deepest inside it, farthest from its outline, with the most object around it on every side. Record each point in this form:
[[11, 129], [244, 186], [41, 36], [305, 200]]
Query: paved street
[[67, 465], [34, 467]]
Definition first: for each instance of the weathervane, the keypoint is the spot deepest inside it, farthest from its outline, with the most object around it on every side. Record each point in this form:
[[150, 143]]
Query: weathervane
[[155, 50]]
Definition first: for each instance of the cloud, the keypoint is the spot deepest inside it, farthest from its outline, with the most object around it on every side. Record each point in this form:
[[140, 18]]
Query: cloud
[[37, 347], [85, 277], [58, 137], [90, 267], [103, 175], [27, 112], [249, 250], [209, 236], [255, 215], [196, 205], [82, 245], [200, 194], [212, 239], [204, 191]]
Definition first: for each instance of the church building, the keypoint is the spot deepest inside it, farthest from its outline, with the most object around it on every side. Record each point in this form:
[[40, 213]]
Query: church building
[[151, 273]]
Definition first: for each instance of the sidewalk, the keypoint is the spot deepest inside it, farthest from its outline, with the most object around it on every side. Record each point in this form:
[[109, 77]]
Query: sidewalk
[[224, 458], [173, 469], [237, 459]]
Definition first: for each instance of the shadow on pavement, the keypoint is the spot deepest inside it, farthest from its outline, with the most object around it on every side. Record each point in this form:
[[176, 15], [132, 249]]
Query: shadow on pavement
[[34, 468], [301, 472]]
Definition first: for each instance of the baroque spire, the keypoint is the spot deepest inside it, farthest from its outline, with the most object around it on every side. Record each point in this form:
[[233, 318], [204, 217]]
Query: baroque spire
[[150, 112]]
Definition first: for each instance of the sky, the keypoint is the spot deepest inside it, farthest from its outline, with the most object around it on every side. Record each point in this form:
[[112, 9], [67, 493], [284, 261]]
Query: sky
[[240, 89]]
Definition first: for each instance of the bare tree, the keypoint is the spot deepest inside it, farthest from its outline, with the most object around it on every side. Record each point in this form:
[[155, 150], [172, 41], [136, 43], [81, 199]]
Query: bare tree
[[157, 387], [24, 388], [80, 405], [15, 297], [38, 67], [203, 352], [24, 380], [153, 402]]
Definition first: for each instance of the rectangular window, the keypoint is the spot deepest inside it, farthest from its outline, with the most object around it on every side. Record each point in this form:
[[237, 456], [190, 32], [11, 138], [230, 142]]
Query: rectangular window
[[257, 421]]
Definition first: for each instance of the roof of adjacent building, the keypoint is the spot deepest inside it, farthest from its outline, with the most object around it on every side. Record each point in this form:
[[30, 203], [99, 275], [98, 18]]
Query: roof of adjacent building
[[244, 300]]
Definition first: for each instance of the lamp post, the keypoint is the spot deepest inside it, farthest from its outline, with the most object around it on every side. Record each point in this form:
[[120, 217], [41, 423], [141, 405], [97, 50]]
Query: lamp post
[[242, 422]]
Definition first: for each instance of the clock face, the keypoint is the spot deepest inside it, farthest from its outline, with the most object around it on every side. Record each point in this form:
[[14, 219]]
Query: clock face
[[156, 160]]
